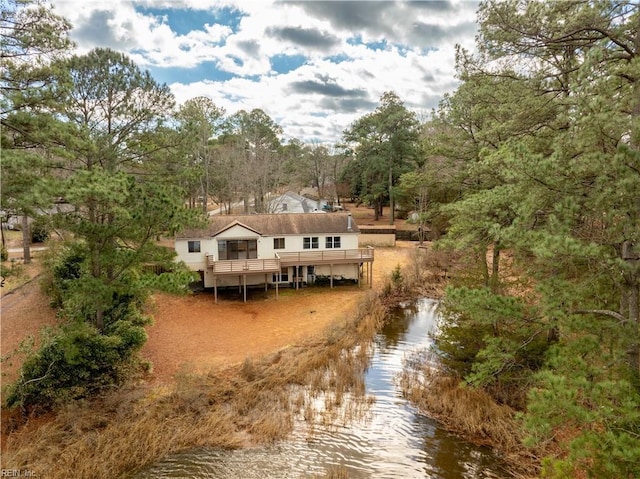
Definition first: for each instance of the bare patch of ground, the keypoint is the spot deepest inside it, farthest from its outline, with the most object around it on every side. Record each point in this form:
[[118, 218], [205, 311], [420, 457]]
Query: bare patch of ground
[[193, 334], [24, 312]]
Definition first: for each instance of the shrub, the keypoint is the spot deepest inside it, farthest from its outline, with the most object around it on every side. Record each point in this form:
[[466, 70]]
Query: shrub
[[75, 363], [66, 267], [397, 280], [39, 230]]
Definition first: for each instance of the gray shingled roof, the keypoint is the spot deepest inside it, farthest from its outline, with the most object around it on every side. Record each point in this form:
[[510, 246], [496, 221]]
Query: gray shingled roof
[[295, 204], [279, 224]]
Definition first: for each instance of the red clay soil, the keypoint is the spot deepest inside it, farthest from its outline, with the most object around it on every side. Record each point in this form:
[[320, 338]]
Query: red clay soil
[[193, 334], [23, 313]]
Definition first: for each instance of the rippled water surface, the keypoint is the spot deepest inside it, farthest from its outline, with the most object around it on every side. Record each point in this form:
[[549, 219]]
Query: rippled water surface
[[394, 441]]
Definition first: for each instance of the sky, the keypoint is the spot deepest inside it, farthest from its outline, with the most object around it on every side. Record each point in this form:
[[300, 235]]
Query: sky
[[313, 66]]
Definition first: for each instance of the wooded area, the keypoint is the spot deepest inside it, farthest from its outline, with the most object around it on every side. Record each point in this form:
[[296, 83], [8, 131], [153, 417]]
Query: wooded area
[[530, 169]]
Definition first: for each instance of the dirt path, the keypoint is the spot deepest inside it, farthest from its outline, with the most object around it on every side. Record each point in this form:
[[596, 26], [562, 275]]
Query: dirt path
[[23, 313], [195, 334]]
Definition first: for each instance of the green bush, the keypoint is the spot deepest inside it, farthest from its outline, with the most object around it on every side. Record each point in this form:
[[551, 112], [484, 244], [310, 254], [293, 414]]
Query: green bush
[[75, 363], [40, 230], [66, 267]]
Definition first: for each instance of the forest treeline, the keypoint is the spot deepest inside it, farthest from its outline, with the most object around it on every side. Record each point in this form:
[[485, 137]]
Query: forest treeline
[[530, 170]]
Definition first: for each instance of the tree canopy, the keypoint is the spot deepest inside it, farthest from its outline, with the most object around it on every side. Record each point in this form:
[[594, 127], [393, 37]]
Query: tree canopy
[[384, 145], [544, 133]]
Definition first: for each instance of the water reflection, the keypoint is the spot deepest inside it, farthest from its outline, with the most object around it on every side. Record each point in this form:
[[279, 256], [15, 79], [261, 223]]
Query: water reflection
[[394, 442]]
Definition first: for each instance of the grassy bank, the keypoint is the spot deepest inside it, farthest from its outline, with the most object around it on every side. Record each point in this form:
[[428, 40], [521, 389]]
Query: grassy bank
[[253, 402], [471, 414], [250, 403]]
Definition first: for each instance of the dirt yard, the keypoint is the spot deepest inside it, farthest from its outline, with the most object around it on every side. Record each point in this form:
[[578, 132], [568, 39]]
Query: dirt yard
[[193, 334]]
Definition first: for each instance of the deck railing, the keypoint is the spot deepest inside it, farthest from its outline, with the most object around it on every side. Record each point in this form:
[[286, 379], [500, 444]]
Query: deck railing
[[327, 256], [244, 266]]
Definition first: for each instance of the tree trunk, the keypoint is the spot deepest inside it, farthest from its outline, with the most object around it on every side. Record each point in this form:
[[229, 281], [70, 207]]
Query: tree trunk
[[4, 241], [392, 206], [484, 265], [630, 306], [26, 240], [634, 349], [494, 280]]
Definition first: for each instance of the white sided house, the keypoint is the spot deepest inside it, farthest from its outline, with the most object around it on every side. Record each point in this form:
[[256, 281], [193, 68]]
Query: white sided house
[[276, 250]]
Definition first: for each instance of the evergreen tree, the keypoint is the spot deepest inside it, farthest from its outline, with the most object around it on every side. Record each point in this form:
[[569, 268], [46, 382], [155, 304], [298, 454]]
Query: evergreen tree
[[560, 189], [385, 146], [33, 39]]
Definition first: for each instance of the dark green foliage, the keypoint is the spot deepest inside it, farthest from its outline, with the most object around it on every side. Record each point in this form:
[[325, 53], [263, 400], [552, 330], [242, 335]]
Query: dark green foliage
[[100, 280], [544, 138], [39, 230], [77, 362], [384, 145], [493, 341], [65, 267]]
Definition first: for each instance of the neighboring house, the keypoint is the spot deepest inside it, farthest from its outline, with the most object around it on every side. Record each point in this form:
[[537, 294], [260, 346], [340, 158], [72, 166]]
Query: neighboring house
[[291, 202], [275, 250]]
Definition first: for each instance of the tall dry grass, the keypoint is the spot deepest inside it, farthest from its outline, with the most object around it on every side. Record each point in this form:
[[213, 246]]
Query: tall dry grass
[[254, 402], [470, 413]]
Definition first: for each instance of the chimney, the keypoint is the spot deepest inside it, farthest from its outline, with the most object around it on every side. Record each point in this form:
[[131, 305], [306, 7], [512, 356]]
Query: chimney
[[349, 222]]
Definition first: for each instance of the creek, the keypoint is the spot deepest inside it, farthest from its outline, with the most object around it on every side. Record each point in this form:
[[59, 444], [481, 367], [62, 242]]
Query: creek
[[393, 441]]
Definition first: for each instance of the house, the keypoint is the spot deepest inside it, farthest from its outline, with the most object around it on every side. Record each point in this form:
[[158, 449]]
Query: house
[[291, 202], [276, 250]]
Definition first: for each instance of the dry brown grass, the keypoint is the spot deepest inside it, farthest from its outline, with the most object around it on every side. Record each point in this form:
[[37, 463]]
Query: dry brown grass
[[250, 403], [337, 472], [470, 413]]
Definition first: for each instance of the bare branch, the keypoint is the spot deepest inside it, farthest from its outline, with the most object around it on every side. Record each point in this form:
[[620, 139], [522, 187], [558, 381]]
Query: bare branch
[[603, 312]]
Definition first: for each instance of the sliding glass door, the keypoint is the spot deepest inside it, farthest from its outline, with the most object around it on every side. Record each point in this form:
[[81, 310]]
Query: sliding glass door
[[237, 249]]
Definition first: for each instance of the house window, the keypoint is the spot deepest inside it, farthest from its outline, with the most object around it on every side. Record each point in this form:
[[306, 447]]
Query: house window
[[310, 242], [332, 242], [194, 246], [278, 243], [238, 249]]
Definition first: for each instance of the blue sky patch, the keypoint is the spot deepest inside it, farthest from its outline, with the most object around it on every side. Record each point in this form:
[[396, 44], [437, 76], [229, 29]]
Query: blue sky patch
[[203, 71], [182, 20], [285, 63], [339, 58], [378, 45]]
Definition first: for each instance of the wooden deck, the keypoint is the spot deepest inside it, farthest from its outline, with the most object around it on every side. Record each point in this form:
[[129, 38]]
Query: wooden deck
[[243, 266], [273, 265], [327, 257]]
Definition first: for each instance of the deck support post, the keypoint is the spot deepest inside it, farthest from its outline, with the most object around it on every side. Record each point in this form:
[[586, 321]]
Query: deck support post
[[244, 283], [215, 289], [331, 275]]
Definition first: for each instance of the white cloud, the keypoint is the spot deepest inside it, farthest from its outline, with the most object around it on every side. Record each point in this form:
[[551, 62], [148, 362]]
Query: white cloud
[[417, 61]]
